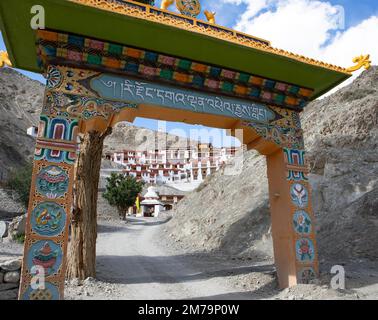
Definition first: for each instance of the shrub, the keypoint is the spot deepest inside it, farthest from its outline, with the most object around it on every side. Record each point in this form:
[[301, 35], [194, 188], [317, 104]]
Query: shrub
[[122, 191]]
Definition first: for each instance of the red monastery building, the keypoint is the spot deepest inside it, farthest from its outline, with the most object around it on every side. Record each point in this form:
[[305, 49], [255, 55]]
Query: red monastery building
[[192, 164]]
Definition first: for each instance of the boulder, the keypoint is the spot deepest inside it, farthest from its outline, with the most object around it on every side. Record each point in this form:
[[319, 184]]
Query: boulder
[[12, 277], [3, 229], [17, 226], [11, 265], [1, 277]]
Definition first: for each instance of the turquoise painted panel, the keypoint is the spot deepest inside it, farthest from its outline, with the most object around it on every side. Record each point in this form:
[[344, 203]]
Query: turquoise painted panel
[[50, 292], [144, 92]]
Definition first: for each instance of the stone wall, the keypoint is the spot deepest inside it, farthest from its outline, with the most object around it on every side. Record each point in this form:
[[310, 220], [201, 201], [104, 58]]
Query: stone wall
[[10, 271]]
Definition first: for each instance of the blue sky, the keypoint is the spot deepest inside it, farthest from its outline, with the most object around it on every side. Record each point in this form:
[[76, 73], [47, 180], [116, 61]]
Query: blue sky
[[310, 27]]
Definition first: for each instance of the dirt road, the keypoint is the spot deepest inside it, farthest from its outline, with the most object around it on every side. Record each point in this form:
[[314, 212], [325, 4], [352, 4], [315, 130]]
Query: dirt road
[[130, 255], [133, 264]]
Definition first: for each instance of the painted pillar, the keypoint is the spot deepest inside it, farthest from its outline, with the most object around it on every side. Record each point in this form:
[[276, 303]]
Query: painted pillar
[[293, 226], [50, 206]]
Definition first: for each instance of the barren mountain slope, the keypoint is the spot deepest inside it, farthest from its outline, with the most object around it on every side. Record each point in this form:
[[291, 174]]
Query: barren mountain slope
[[231, 213], [21, 101], [126, 136], [20, 104]]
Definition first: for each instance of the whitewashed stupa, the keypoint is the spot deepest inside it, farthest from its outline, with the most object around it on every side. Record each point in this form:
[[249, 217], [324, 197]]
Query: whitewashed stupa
[[151, 206]]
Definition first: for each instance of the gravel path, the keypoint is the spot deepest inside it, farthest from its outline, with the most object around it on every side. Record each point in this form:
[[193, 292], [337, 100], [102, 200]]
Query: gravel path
[[130, 257], [132, 263]]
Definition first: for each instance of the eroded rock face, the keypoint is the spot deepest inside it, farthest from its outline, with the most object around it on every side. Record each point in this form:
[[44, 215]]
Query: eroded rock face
[[129, 137], [230, 213], [9, 205], [17, 227], [20, 105]]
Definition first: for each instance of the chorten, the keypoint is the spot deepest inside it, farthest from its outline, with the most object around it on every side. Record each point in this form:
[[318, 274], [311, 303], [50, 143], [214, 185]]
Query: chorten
[[151, 204]]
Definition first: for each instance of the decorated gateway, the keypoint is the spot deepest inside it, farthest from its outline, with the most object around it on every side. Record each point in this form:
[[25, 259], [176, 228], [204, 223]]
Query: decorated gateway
[[107, 61]]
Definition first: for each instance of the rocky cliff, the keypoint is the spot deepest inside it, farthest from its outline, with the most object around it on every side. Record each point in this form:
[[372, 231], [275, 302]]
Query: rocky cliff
[[230, 214], [20, 104]]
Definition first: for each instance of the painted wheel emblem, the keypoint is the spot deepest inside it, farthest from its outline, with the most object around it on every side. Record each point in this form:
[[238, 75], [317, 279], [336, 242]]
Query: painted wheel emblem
[[54, 78], [191, 8]]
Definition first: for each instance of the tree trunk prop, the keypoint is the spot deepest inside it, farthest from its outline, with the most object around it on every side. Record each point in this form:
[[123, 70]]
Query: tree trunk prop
[[82, 245]]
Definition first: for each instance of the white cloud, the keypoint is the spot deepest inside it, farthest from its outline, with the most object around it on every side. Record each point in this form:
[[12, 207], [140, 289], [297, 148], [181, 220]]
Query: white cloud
[[309, 27]]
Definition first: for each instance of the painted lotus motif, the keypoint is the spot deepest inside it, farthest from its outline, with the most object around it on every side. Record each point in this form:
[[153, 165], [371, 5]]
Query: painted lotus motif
[[299, 195], [302, 222], [46, 254], [305, 250], [48, 219], [52, 182]]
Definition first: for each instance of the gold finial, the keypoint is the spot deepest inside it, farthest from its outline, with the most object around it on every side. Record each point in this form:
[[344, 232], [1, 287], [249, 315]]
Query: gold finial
[[210, 16], [362, 61], [4, 59], [165, 4]]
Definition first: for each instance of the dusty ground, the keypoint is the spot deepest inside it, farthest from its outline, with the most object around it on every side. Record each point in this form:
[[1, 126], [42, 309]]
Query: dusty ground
[[139, 261]]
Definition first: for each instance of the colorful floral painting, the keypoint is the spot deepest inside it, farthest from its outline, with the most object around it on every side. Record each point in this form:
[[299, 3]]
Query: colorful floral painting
[[299, 195], [302, 222], [52, 182], [305, 250], [48, 219]]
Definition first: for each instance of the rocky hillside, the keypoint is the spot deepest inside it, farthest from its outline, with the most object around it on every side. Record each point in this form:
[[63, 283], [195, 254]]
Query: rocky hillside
[[20, 104], [126, 136], [21, 101], [231, 213]]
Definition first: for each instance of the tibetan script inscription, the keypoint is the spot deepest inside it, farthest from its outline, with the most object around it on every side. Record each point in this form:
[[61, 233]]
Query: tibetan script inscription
[[144, 92]]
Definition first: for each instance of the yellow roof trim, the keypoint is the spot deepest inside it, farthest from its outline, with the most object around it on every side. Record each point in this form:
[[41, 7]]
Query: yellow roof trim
[[118, 7]]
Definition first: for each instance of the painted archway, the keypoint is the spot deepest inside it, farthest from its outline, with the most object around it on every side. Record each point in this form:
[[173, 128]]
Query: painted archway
[[79, 100], [156, 64]]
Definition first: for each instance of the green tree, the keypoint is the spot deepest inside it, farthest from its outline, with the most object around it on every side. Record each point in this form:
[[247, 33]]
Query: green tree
[[20, 182], [121, 192]]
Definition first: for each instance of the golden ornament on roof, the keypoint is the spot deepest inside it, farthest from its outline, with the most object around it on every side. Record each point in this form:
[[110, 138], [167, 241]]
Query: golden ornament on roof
[[191, 8], [362, 61], [4, 59], [165, 4], [210, 16]]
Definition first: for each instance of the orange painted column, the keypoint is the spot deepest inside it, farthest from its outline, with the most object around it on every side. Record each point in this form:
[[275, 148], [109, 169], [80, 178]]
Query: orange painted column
[[293, 225], [50, 204]]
